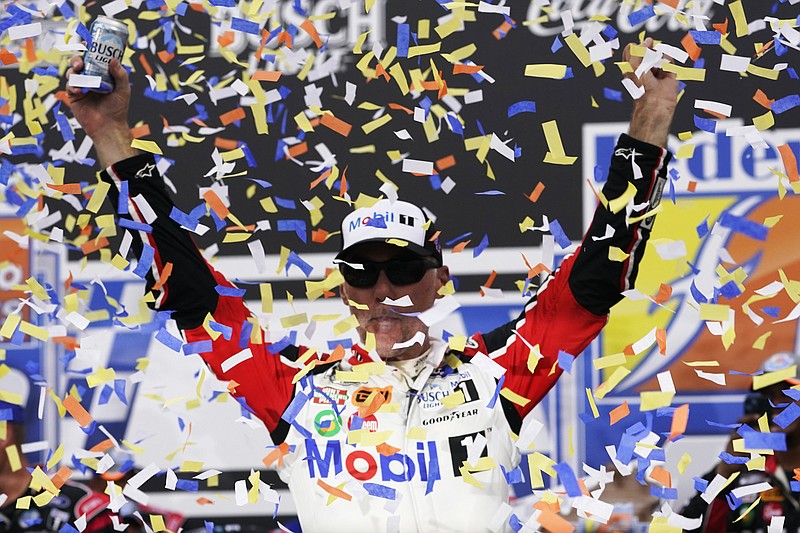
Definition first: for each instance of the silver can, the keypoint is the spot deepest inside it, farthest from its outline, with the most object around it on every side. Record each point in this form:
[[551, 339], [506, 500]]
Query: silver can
[[109, 37]]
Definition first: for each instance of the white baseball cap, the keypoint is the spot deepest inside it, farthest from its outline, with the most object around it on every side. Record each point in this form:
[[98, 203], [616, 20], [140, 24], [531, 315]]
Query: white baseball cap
[[399, 223]]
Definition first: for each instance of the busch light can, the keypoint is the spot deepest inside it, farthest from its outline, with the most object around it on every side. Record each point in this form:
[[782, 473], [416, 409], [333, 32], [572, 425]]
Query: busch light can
[[108, 41]]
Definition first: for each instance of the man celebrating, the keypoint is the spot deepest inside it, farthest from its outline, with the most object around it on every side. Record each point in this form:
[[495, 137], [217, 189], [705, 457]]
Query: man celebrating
[[400, 432]]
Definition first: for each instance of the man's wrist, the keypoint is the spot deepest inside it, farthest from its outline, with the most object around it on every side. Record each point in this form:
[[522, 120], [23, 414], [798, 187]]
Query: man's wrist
[[651, 124], [113, 144]]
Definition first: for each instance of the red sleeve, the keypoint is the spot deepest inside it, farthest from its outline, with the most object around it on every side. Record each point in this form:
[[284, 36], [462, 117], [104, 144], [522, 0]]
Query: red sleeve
[[554, 321], [263, 380]]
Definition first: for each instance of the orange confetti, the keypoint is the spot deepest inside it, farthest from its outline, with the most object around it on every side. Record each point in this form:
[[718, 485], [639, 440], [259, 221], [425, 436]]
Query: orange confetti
[[319, 236], [74, 408], [547, 506], [333, 491], [276, 455], [554, 523], [664, 293], [691, 186], [490, 279], [764, 48], [789, 162], [502, 30], [232, 384], [285, 37], [309, 28], [618, 413], [691, 47], [764, 100], [322, 177], [680, 418], [140, 131], [336, 355], [458, 68], [343, 185], [216, 204], [61, 477], [67, 188], [380, 71], [227, 38], [797, 474], [102, 446], [661, 339], [338, 125], [445, 162], [232, 116], [661, 475], [399, 107], [460, 246], [164, 277], [7, 58], [536, 193], [225, 144], [387, 450], [298, 149], [365, 410], [70, 343], [165, 56], [30, 50], [721, 27], [204, 501], [145, 65], [94, 245], [266, 75]]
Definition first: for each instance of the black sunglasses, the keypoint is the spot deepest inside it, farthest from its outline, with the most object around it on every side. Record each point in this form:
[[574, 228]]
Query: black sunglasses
[[398, 271]]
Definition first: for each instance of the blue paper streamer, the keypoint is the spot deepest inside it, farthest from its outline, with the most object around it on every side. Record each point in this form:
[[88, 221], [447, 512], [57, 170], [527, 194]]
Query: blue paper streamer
[[523, 106], [197, 347], [640, 16], [568, 479], [380, 491], [558, 233], [222, 290], [169, 340], [788, 415], [298, 402], [706, 37], [784, 104]]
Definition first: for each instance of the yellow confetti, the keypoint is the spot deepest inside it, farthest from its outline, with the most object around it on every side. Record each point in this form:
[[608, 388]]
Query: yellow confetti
[[546, 70], [770, 378], [555, 149], [146, 146]]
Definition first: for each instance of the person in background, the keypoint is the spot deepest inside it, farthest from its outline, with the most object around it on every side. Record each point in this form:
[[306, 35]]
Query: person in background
[[72, 502], [778, 410], [446, 429]]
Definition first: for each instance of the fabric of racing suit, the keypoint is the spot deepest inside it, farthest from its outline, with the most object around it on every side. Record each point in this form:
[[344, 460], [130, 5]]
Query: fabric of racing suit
[[76, 500], [404, 470], [779, 500]]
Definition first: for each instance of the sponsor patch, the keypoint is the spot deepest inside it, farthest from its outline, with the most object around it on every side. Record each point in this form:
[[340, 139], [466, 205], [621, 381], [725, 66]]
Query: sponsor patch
[[330, 394], [361, 395]]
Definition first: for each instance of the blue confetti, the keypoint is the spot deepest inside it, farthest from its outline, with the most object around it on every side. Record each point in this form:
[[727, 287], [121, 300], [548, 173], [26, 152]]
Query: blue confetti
[[246, 26], [481, 247], [742, 225], [706, 37], [229, 291], [523, 106], [145, 261], [786, 103], [788, 415], [169, 340], [612, 94], [558, 233], [640, 16], [402, 40], [294, 408], [297, 226], [565, 361], [496, 394], [705, 124], [380, 491], [198, 347], [568, 479], [756, 440], [136, 226]]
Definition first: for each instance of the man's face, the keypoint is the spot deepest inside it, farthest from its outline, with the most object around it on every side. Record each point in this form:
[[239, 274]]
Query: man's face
[[384, 320]]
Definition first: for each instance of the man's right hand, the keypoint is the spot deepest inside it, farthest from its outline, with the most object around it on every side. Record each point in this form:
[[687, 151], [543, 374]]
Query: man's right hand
[[104, 117]]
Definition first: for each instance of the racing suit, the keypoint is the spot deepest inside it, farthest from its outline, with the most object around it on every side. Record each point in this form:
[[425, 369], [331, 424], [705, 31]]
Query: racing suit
[[362, 446]]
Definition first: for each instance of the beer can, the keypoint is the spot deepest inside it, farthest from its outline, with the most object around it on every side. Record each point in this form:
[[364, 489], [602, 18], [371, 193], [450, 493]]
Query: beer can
[[109, 37]]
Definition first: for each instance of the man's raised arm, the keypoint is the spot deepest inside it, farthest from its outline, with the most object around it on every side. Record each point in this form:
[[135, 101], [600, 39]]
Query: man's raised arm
[[162, 246]]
